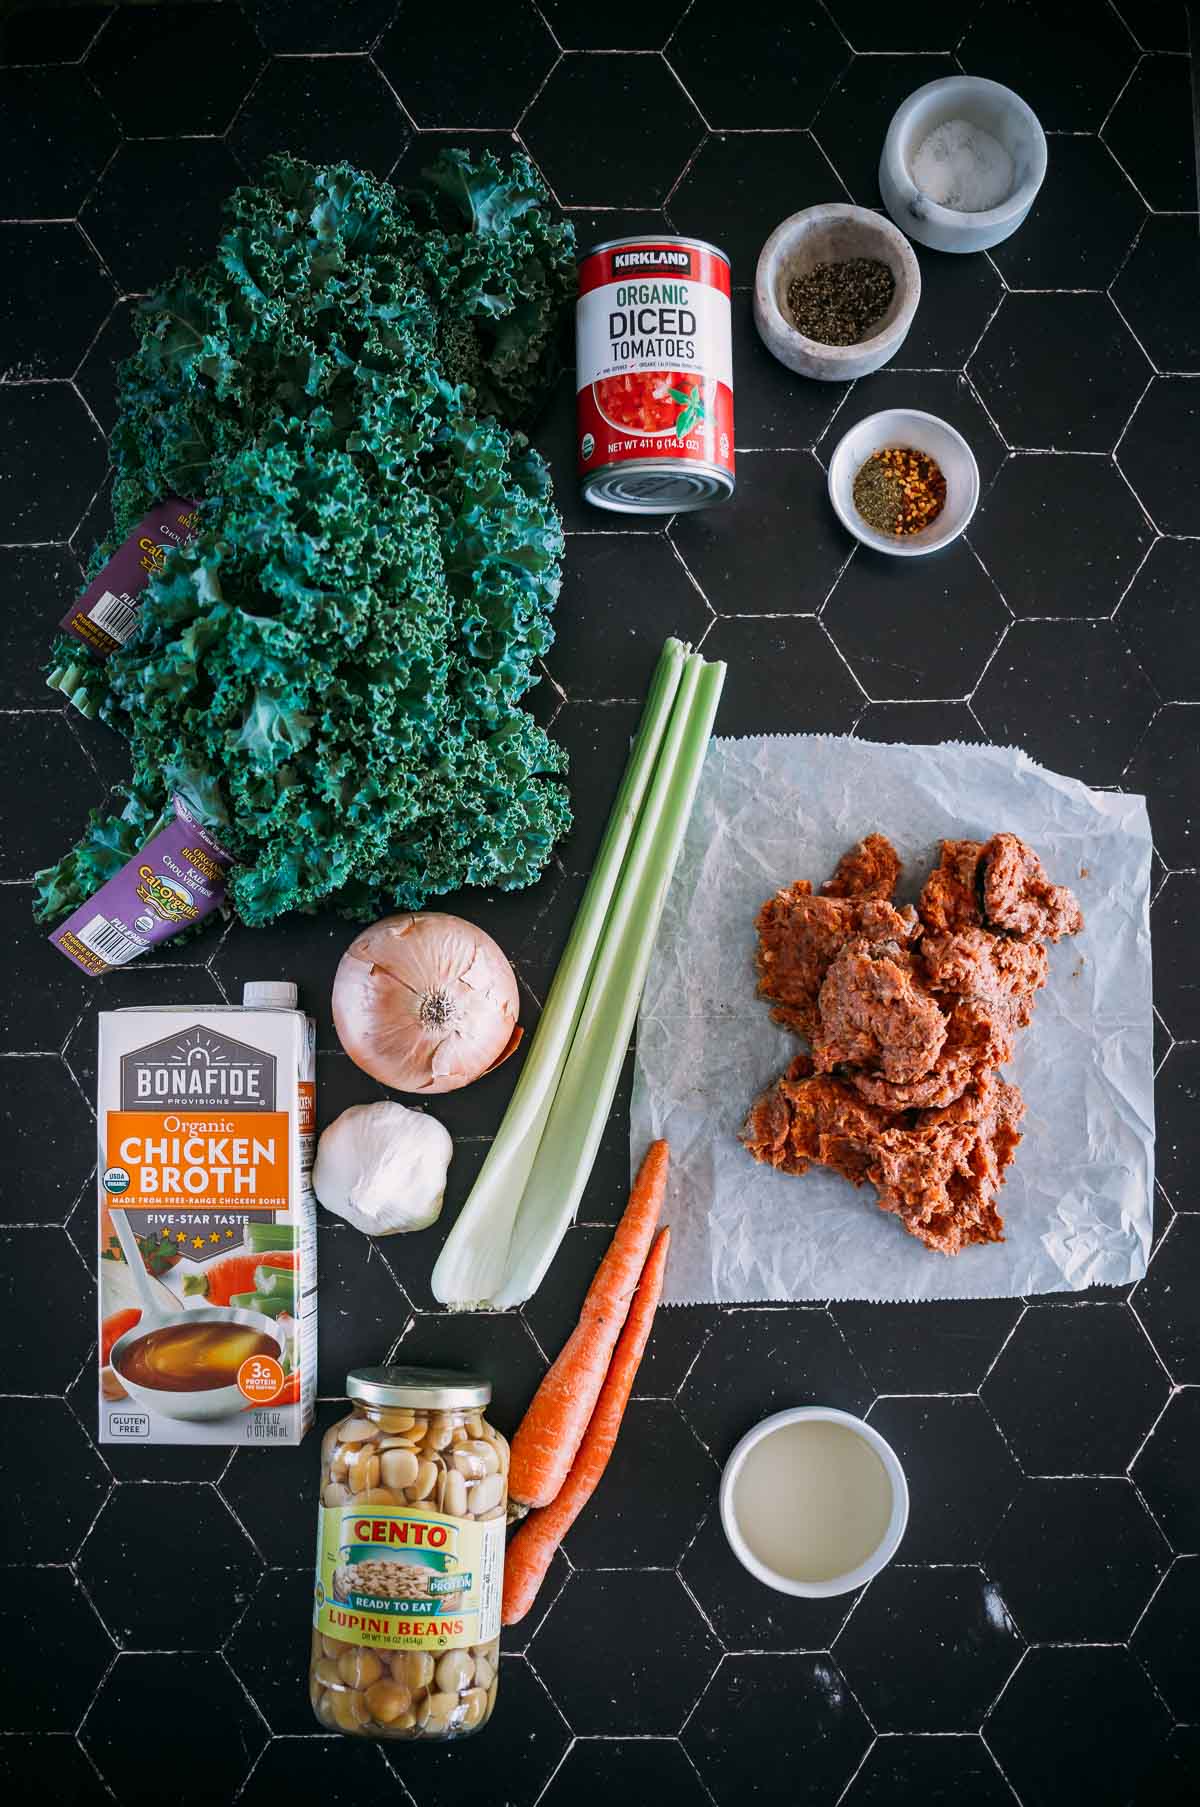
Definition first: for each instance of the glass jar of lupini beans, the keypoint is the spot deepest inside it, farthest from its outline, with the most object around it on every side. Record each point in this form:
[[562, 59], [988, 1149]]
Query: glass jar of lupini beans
[[410, 1558]]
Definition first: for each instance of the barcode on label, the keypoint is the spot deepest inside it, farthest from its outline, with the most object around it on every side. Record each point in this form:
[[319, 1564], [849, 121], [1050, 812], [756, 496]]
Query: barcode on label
[[114, 616], [110, 940]]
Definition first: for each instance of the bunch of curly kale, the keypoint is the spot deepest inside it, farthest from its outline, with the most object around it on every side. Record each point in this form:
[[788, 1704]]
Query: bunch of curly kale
[[332, 672]]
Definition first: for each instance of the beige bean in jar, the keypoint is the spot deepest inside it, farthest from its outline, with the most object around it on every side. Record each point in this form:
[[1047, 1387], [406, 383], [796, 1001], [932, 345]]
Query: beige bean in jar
[[413, 1495]]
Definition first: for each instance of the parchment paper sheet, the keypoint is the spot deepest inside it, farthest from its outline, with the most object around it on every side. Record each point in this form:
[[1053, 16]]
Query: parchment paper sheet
[[1078, 1199]]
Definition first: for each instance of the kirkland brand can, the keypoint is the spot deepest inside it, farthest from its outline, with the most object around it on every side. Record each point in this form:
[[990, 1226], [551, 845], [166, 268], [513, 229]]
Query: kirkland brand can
[[654, 370]]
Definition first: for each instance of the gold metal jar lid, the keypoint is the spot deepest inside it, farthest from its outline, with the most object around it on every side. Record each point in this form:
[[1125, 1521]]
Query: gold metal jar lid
[[429, 1389]]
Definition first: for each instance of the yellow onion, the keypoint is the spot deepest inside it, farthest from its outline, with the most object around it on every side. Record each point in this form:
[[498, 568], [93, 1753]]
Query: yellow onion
[[425, 1003]]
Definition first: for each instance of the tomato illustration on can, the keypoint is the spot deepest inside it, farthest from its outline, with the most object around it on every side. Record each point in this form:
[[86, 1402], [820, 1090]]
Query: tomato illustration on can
[[654, 375]]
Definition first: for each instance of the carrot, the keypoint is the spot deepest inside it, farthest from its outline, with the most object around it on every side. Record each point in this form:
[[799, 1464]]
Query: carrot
[[115, 1326], [231, 1274], [532, 1546], [551, 1430]]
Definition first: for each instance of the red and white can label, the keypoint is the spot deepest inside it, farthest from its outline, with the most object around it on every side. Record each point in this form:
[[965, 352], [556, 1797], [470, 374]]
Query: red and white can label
[[654, 365]]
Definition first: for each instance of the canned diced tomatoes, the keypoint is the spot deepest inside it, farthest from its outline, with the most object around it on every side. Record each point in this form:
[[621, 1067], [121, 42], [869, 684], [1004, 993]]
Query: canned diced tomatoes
[[654, 373]]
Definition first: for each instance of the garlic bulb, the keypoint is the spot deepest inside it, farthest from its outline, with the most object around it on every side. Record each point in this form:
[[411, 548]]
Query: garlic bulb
[[383, 1168], [425, 1003]]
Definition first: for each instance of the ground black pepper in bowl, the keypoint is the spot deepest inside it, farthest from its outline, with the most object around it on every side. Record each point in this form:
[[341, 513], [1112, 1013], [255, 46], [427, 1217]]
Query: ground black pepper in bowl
[[840, 303]]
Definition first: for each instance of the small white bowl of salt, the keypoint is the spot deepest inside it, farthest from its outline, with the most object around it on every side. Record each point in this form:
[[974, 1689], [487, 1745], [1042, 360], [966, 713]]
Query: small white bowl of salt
[[962, 163]]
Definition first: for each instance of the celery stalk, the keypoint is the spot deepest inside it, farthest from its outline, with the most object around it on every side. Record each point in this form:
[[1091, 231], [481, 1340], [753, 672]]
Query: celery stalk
[[472, 1263], [584, 1096]]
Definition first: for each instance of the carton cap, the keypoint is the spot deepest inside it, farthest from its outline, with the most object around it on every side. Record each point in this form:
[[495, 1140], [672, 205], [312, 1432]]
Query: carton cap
[[270, 994]]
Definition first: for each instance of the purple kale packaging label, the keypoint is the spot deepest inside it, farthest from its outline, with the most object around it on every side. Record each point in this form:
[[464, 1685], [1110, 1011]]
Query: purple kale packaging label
[[106, 614], [176, 880]]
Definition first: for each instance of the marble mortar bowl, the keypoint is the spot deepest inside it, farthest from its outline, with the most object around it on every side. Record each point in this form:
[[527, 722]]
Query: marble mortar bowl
[[986, 104], [830, 234]]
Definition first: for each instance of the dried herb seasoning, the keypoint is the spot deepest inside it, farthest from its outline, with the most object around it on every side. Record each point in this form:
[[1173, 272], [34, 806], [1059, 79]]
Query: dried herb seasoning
[[899, 491], [840, 303]]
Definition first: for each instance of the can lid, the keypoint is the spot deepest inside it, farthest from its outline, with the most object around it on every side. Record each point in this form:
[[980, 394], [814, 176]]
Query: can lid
[[432, 1389], [279, 993]]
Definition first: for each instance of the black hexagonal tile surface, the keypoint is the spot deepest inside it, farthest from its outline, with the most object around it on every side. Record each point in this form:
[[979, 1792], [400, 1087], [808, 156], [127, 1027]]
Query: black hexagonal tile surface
[[760, 71], [1155, 453], [775, 407], [1101, 699], [1156, 620], [785, 677], [1169, 1779], [1165, 1471], [588, 166], [929, 1649], [1075, 1389], [37, 1021], [944, 393], [40, 1102], [328, 108], [794, 1356], [1177, 1092], [212, 42], [187, 1718], [1166, 765], [912, 629], [50, 1766], [1165, 1300], [503, 55], [1082, 224], [58, 137], [51, 461], [870, 88], [62, 1336], [30, 33], [55, 1651], [300, 27], [1040, 345], [945, 1346], [1165, 1639], [53, 296], [1150, 130], [961, 1477], [1156, 288], [658, 1485], [96, 376], [625, 1653], [51, 1529], [1100, 1525], [269, 1654], [217, 1573], [605, 638], [942, 1770], [578, 25], [785, 492], [917, 724], [797, 1707], [629, 1769], [959, 295], [1066, 1714], [336, 1771], [1069, 78], [741, 185], [1067, 547], [137, 217]]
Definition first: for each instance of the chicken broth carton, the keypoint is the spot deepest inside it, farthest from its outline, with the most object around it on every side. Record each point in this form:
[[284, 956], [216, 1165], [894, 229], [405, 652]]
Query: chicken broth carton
[[208, 1275]]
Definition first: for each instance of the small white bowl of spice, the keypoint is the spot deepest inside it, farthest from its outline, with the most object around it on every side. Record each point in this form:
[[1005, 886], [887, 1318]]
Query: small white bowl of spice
[[903, 482], [962, 163], [835, 292]]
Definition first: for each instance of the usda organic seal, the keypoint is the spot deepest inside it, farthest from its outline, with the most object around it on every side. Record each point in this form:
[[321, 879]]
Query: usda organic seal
[[115, 1179]]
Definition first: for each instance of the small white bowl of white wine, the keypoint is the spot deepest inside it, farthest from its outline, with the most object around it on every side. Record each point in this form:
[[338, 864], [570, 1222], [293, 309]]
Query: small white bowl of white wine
[[814, 1502]]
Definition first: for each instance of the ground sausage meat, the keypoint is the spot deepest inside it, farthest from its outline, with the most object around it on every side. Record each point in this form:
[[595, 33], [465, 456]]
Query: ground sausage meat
[[908, 1016]]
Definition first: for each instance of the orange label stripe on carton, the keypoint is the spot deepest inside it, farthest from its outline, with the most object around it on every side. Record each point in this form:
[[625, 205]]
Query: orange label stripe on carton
[[230, 1157]]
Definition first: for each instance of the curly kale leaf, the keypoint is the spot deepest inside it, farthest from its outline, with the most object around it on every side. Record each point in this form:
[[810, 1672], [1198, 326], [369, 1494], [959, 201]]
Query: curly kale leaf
[[332, 672]]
